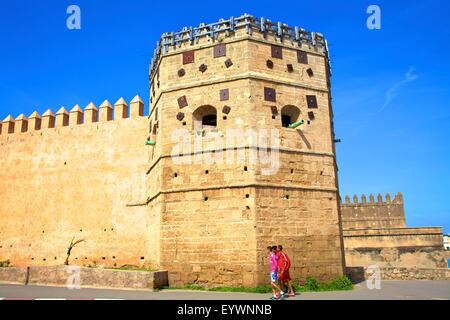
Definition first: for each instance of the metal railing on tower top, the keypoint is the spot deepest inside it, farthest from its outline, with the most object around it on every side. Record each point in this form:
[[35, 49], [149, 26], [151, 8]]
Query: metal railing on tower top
[[249, 22]]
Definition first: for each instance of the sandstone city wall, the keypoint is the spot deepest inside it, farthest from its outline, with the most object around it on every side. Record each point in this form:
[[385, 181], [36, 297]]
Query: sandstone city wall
[[72, 176]]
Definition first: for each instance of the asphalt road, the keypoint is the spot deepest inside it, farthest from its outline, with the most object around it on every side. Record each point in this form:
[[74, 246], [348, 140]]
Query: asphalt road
[[390, 290]]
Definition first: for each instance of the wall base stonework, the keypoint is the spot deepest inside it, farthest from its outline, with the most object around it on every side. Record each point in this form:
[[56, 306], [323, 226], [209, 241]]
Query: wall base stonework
[[90, 277], [359, 274], [13, 275], [408, 257], [395, 247]]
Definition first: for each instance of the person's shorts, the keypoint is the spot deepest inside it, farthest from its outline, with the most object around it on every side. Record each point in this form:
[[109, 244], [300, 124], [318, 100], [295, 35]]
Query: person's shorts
[[284, 276], [273, 277]]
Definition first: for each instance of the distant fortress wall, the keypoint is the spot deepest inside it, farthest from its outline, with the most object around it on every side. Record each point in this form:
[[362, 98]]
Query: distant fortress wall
[[368, 213], [375, 233]]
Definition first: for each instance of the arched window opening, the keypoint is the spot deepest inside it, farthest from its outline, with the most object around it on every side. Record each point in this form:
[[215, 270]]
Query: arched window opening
[[289, 115], [205, 117]]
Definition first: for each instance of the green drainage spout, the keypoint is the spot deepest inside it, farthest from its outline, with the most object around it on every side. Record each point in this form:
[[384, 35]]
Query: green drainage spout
[[150, 143], [296, 124]]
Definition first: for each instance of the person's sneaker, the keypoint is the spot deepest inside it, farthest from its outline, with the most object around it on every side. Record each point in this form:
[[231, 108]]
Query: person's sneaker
[[274, 298], [291, 295]]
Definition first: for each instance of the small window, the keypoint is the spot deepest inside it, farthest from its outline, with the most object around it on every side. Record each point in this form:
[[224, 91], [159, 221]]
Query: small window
[[285, 120], [209, 120]]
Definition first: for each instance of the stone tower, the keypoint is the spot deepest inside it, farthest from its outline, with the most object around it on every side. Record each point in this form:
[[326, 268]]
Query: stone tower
[[241, 149]]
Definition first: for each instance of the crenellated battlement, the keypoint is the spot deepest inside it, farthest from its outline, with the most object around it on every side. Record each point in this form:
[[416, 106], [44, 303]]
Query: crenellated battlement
[[215, 32], [363, 200], [360, 212], [75, 117]]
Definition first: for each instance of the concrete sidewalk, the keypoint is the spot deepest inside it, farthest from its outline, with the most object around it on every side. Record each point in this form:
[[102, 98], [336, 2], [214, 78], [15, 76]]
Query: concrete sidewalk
[[390, 290]]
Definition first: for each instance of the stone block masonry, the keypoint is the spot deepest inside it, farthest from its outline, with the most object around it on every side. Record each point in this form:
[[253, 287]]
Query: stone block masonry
[[86, 278], [359, 274], [217, 218]]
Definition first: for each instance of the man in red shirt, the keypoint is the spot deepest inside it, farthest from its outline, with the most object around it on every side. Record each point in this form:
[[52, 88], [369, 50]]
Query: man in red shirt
[[284, 264]]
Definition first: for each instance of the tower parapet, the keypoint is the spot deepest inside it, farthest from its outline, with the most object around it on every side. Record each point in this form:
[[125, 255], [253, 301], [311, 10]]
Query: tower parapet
[[215, 32]]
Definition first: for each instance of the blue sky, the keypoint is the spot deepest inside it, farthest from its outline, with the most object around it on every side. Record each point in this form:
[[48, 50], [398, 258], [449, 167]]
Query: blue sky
[[390, 89]]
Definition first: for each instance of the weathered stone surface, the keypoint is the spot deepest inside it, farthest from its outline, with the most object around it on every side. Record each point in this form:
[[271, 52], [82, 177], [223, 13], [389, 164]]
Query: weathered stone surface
[[89, 277], [13, 275], [76, 182], [217, 219], [358, 274], [375, 233]]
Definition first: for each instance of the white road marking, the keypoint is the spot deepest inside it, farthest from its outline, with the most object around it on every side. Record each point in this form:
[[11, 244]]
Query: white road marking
[[438, 299], [50, 299]]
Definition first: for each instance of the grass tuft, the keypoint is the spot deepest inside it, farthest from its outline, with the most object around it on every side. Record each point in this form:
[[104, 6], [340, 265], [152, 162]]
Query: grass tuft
[[5, 263], [130, 268], [310, 285]]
